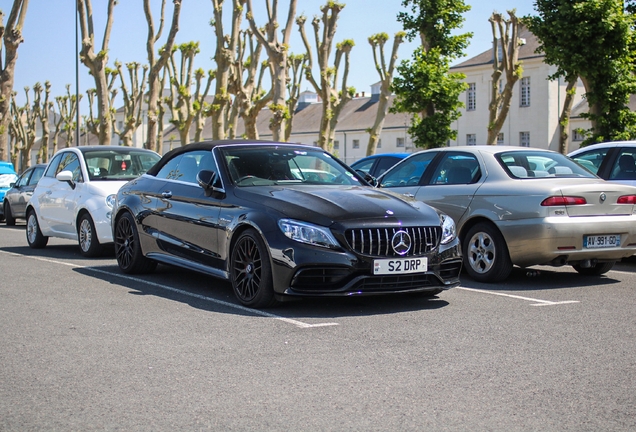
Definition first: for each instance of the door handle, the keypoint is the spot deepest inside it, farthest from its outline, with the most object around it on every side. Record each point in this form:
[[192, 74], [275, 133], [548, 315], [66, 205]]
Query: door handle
[[166, 194]]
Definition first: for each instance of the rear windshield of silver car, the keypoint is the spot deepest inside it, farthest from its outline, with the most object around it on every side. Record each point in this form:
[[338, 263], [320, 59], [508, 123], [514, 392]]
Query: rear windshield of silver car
[[534, 164]]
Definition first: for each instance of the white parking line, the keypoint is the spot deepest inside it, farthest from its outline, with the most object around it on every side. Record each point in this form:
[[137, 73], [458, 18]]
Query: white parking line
[[178, 291], [538, 302]]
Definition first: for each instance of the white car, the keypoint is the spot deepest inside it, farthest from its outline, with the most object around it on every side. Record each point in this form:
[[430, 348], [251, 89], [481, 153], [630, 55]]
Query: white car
[[74, 198], [614, 161]]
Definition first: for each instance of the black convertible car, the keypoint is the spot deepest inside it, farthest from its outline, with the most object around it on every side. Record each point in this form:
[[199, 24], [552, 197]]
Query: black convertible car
[[280, 220]]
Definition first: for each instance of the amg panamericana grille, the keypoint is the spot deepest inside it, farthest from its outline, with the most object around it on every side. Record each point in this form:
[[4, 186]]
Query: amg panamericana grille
[[377, 241]]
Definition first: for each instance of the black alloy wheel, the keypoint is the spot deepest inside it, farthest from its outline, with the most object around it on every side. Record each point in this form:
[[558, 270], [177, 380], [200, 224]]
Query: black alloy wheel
[[127, 248], [250, 271]]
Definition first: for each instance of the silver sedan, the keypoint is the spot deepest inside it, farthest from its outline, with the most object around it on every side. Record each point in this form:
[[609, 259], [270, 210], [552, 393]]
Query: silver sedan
[[522, 206]]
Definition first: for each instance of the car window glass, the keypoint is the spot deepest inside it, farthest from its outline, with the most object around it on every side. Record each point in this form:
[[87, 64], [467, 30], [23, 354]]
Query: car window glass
[[70, 162], [364, 165], [51, 171], [169, 170], [591, 159], [456, 168], [384, 164], [409, 171], [23, 179], [532, 164], [270, 166], [625, 166], [36, 176]]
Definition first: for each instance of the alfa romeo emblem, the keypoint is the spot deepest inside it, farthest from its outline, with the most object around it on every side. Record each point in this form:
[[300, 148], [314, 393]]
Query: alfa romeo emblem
[[401, 242], [603, 197]]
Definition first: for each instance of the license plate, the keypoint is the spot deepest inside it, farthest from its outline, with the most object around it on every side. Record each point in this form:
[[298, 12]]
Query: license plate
[[400, 266], [601, 241]]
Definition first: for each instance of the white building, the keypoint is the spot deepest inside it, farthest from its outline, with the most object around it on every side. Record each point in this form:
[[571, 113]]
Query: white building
[[535, 108]]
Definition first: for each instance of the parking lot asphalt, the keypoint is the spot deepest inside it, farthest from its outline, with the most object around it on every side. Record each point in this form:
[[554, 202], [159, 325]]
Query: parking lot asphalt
[[85, 347]]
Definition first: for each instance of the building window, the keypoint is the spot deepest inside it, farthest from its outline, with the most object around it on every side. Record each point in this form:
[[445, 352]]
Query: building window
[[525, 92], [336, 144], [399, 142], [471, 97], [379, 144], [524, 139], [471, 139], [500, 138], [578, 135], [356, 144]]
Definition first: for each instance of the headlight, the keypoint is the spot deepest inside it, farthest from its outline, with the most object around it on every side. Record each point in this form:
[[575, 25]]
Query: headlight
[[111, 200], [448, 228], [307, 233]]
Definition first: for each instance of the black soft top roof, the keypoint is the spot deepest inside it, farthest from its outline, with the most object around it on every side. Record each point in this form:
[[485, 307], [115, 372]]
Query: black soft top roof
[[209, 145]]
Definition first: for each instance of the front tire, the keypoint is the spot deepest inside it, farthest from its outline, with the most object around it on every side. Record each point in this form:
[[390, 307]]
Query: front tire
[[8, 214], [597, 270], [486, 256], [128, 251], [34, 236], [251, 272], [87, 237]]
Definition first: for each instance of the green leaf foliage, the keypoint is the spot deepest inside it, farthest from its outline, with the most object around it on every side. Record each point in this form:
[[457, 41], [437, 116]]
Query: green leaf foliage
[[426, 82], [595, 40]]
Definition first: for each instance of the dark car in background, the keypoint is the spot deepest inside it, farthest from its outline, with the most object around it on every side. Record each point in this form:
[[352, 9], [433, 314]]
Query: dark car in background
[[16, 198], [377, 164], [256, 214]]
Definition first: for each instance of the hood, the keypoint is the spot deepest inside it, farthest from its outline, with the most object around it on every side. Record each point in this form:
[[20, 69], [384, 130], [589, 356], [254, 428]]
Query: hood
[[104, 187], [326, 205]]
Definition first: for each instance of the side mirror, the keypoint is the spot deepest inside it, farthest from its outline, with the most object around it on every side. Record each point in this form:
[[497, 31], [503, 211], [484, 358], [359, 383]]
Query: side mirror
[[12, 184], [368, 177], [66, 176], [206, 180]]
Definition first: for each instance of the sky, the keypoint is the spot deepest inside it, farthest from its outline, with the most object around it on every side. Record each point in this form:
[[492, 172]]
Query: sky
[[48, 52]]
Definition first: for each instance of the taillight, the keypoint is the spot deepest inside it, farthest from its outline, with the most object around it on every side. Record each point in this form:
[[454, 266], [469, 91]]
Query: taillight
[[563, 200], [627, 199]]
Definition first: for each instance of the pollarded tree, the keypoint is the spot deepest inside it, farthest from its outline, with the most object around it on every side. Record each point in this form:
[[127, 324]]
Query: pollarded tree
[[594, 40], [23, 130], [94, 123], [377, 42], [65, 121], [425, 86], [296, 63], [10, 39], [333, 95], [133, 100], [224, 56], [247, 82], [43, 110], [156, 65], [183, 104], [277, 52], [506, 43], [96, 64]]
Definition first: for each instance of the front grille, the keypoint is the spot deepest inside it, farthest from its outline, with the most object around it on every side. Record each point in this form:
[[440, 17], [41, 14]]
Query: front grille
[[377, 241], [396, 283]]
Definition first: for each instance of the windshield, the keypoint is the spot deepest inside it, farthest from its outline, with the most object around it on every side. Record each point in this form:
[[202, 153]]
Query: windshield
[[124, 164], [537, 164], [269, 165], [7, 179]]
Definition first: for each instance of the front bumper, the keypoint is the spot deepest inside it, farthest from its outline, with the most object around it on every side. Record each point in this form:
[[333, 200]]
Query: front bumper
[[306, 271]]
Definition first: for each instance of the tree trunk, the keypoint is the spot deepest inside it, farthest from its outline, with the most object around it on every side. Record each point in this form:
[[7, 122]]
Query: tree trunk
[[11, 35], [564, 119]]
